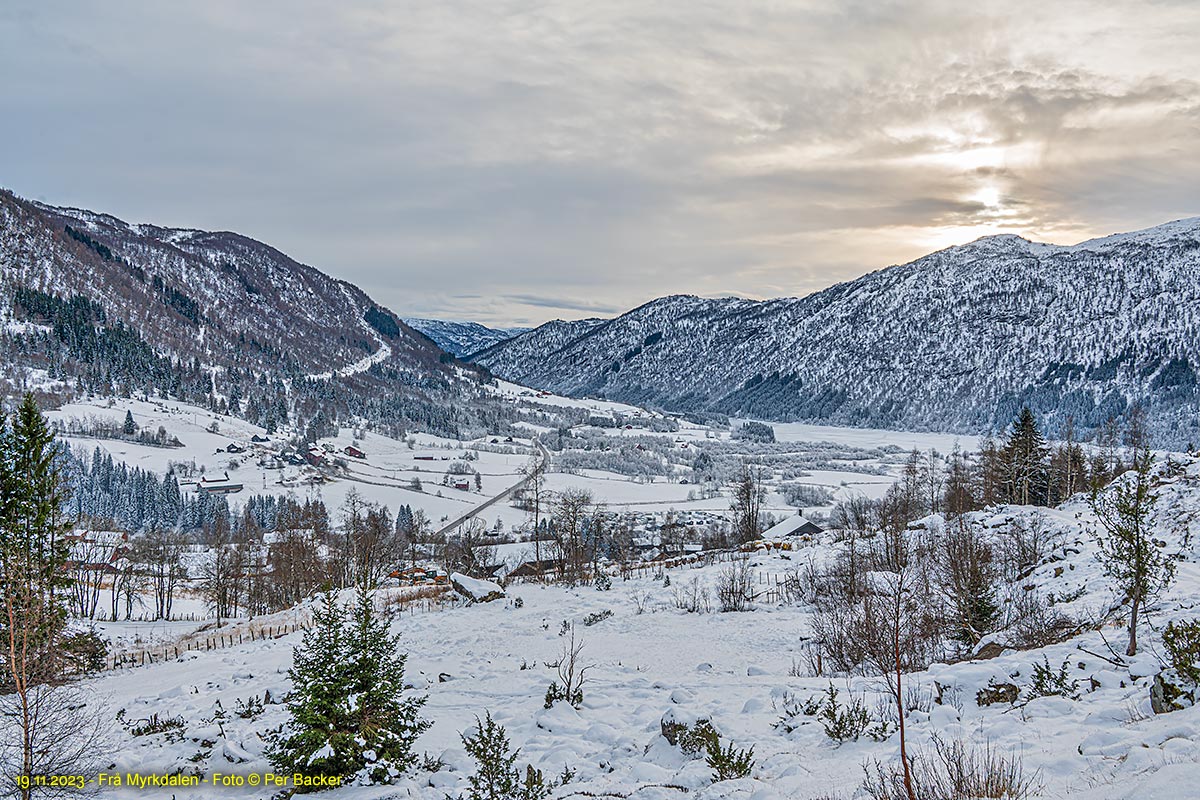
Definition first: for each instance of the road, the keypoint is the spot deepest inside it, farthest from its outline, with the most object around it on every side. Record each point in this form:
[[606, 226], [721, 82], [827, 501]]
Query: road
[[454, 523]]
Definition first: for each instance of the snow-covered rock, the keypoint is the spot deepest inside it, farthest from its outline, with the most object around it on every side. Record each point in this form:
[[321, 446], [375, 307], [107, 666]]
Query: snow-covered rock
[[475, 589]]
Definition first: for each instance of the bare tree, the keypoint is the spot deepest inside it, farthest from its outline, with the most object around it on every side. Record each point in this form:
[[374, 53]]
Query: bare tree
[[748, 496], [571, 511], [159, 555], [534, 489], [50, 730]]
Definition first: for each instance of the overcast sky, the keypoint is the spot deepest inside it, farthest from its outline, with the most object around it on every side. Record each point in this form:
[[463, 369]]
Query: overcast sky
[[512, 162]]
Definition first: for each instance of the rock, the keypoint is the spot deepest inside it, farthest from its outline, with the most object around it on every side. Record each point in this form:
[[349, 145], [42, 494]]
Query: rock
[[987, 648], [995, 693], [1167, 694], [475, 590]]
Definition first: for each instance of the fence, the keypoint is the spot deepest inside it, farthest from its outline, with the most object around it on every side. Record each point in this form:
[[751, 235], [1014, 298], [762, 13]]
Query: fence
[[427, 599]]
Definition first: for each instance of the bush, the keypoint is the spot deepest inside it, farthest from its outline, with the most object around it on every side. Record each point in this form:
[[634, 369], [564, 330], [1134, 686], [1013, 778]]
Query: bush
[[729, 763], [496, 776], [1182, 643], [733, 587], [699, 738], [83, 653], [603, 582], [171, 727], [599, 616], [842, 722], [952, 772], [249, 708], [1048, 681]]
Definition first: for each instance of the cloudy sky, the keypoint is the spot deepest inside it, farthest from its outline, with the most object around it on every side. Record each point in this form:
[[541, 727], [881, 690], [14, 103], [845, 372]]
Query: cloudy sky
[[511, 162]]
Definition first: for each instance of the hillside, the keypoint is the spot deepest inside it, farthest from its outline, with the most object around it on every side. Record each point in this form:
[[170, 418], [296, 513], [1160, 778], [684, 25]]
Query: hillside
[[461, 338], [89, 303], [958, 340], [657, 655]]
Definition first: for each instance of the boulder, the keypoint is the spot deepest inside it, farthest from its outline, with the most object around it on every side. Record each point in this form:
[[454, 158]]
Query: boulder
[[1170, 693], [476, 590], [995, 693]]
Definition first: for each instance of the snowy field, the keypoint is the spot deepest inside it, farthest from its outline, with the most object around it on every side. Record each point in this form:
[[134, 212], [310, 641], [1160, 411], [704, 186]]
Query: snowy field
[[741, 670]]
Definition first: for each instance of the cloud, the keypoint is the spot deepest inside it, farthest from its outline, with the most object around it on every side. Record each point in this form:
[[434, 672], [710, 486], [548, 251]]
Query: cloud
[[572, 158]]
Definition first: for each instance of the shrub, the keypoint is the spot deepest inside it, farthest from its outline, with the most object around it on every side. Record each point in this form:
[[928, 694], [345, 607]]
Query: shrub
[[843, 723], [952, 772], [1048, 681], [83, 653], [691, 597], [1182, 643], [603, 582], [249, 708], [599, 616], [733, 587], [171, 727], [699, 738], [729, 763], [496, 776]]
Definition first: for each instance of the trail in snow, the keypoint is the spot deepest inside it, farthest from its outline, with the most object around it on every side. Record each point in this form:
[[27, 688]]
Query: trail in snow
[[363, 364]]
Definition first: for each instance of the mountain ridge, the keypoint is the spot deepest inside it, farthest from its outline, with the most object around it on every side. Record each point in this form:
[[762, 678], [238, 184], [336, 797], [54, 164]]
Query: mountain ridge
[[959, 340], [90, 303]]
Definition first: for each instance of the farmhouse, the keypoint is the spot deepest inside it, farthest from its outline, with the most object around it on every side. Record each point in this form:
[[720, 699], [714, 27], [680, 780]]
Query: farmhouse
[[351, 450], [797, 525], [96, 551], [533, 569], [218, 486], [462, 484]]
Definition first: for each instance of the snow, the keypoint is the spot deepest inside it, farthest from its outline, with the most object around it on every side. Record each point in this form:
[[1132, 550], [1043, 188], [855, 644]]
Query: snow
[[732, 668], [475, 589]]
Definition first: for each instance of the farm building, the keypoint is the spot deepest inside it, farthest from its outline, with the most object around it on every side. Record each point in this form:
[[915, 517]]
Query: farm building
[[218, 486], [797, 525], [351, 450]]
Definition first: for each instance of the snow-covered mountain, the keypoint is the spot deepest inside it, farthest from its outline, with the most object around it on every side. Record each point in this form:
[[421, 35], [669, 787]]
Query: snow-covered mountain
[[89, 302], [461, 338], [957, 340]]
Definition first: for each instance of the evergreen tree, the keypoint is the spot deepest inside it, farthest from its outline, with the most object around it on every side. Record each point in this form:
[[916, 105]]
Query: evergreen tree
[[387, 724], [34, 581], [130, 427], [347, 715], [496, 776], [319, 740], [1024, 456], [1126, 547]]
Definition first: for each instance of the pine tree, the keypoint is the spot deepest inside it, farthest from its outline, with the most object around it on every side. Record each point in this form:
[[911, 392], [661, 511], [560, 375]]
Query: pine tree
[[130, 427], [1024, 456], [319, 739], [496, 776], [387, 724], [34, 581], [348, 718], [1127, 550]]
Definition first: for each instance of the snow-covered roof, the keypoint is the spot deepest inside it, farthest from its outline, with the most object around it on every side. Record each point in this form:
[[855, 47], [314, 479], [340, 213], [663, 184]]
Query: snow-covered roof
[[788, 527]]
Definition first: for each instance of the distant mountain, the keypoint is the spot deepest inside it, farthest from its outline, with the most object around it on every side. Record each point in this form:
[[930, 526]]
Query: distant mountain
[[544, 340], [461, 338], [958, 340], [89, 303]]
